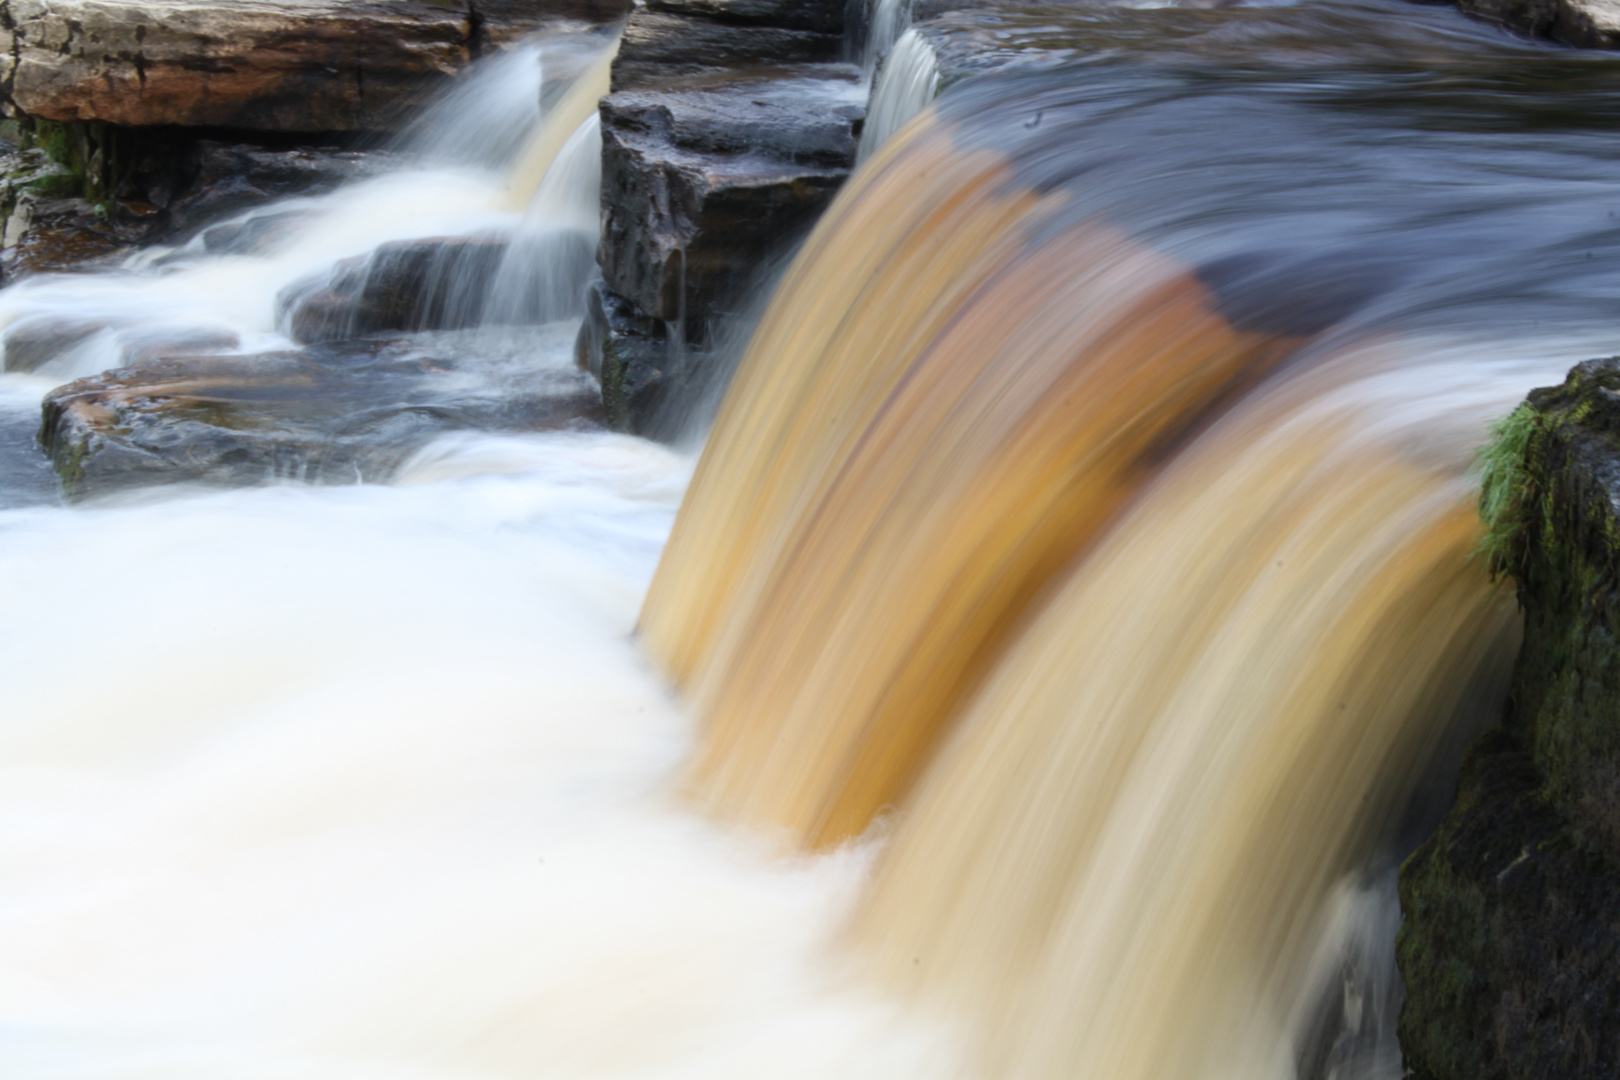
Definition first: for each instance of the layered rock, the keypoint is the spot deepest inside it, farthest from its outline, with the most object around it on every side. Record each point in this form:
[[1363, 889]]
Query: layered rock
[[336, 413], [731, 125], [1511, 947], [265, 65]]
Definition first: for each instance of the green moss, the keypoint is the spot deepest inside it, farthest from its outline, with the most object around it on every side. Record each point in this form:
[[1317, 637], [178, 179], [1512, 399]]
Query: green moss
[[90, 158], [1507, 489]]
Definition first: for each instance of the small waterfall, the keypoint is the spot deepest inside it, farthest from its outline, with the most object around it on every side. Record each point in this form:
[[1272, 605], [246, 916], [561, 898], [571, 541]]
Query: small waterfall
[[1226, 706], [573, 108], [471, 229], [553, 249], [891, 490], [1095, 539], [909, 81], [886, 21], [487, 120]]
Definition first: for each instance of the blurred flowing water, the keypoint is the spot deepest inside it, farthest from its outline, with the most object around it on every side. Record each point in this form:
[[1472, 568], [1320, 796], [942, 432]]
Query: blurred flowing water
[[1073, 607]]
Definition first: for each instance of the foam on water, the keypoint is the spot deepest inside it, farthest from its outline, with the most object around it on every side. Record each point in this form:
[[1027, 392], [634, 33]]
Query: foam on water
[[372, 782]]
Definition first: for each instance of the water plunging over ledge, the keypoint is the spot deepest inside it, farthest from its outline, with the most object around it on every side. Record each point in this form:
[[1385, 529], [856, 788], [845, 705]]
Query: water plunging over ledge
[[1070, 607]]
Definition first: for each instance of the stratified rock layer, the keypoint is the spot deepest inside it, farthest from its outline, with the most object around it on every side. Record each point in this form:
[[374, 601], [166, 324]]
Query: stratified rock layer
[[731, 126], [1511, 947], [335, 413], [253, 65]]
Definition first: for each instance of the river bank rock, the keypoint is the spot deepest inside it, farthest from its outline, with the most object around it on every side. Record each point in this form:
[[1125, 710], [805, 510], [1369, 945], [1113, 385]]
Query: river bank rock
[[731, 125], [1511, 947], [700, 182], [344, 412], [266, 65]]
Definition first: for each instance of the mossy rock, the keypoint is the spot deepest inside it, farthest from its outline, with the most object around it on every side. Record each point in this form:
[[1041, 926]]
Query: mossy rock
[[1511, 947]]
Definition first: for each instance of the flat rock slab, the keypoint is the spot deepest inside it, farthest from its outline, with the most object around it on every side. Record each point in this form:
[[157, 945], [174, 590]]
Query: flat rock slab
[[256, 65], [344, 412]]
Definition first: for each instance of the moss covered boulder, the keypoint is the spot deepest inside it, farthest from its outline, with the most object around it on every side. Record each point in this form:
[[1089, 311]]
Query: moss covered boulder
[[1511, 947]]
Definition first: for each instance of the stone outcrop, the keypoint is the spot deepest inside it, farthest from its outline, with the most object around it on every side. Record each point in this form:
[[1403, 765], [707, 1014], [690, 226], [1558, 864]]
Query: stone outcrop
[[254, 65], [1511, 947], [171, 187], [1589, 24], [699, 182], [337, 413], [731, 125]]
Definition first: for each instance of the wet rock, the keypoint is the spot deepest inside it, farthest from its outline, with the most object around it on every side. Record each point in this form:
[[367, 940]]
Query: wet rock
[[149, 346], [1511, 946], [660, 48], [31, 343], [337, 413], [820, 16], [1590, 24], [259, 234], [268, 65], [431, 284], [700, 183], [204, 181], [1511, 950], [629, 355], [58, 235]]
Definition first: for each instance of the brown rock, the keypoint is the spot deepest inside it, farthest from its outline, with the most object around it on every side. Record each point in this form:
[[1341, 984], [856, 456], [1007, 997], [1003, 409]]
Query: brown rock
[[262, 65]]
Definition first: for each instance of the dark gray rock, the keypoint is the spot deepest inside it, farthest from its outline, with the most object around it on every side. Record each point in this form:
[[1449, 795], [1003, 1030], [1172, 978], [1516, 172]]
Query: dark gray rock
[[437, 283], [820, 16], [631, 358], [700, 184], [31, 343], [659, 48], [1590, 24], [197, 184], [1511, 945], [337, 413], [1511, 948]]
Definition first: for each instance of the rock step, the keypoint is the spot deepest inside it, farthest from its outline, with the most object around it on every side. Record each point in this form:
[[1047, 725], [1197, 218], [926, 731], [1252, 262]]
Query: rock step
[[305, 66]]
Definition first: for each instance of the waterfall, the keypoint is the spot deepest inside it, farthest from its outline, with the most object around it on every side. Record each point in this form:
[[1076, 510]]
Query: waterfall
[[909, 81], [1101, 550], [1133, 848], [886, 21], [1069, 623]]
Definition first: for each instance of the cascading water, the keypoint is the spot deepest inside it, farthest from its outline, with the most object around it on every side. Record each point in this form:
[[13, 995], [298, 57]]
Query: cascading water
[[1150, 666], [908, 83], [369, 781], [1081, 560]]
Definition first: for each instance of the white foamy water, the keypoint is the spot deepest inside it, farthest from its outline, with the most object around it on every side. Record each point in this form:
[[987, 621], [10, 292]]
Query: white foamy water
[[373, 782]]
